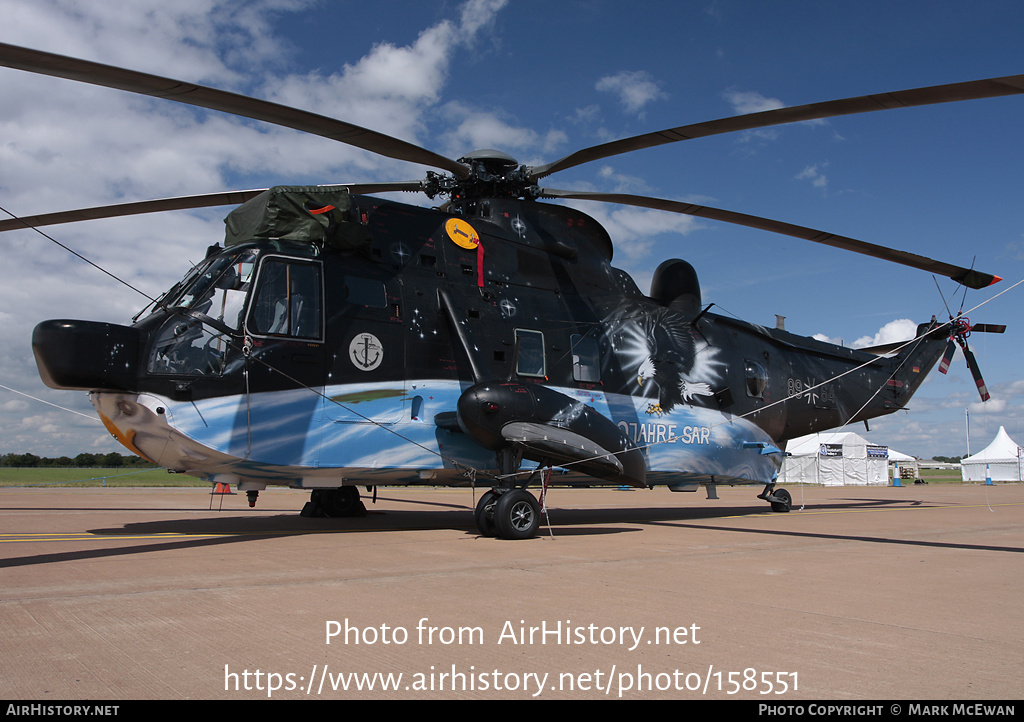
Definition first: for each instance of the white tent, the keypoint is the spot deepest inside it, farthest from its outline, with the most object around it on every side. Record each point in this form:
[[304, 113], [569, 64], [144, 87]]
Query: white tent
[[904, 466], [999, 461], [900, 457], [835, 459]]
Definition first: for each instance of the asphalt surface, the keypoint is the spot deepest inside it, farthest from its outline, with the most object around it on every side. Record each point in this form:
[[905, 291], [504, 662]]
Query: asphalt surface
[[860, 593]]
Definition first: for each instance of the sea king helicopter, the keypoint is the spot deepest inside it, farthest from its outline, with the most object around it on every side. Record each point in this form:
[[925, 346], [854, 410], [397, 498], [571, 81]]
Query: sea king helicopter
[[338, 340]]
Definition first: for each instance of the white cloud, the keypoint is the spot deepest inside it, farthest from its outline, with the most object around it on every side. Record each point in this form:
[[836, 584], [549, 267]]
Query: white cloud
[[622, 182], [634, 89], [391, 89], [479, 14], [992, 406], [198, 38], [825, 338], [474, 129], [902, 329], [815, 176], [744, 102]]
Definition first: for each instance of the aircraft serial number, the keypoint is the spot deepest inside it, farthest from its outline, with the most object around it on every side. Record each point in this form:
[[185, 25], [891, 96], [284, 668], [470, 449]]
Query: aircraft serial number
[[816, 395]]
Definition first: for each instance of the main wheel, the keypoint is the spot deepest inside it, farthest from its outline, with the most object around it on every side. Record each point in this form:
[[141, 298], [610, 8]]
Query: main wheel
[[484, 514], [517, 515], [785, 502], [343, 501]]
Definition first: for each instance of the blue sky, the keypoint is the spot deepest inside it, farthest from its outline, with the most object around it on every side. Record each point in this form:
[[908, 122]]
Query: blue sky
[[539, 80]]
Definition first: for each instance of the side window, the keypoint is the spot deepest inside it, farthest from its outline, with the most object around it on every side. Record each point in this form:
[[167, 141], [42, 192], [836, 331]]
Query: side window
[[756, 378], [586, 360], [365, 292], [531, 353], [287, 299]]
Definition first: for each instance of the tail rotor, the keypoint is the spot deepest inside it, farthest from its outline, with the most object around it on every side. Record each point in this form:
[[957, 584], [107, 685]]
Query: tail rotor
[[960, 329]]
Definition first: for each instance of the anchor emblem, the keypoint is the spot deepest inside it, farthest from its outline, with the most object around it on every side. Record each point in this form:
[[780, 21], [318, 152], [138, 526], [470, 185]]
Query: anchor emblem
[[366, 351]]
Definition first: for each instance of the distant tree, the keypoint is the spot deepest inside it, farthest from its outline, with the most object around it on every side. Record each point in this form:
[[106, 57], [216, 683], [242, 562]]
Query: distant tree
[[85, 460], [24, 460]]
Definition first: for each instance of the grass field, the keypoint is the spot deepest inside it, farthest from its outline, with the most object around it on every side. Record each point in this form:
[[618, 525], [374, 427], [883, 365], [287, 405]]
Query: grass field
[[160, 477], [94, 477], [941, 476]]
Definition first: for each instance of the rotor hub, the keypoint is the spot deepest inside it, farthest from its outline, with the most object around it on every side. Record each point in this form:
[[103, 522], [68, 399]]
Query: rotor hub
[[492, 174], [491, 159]]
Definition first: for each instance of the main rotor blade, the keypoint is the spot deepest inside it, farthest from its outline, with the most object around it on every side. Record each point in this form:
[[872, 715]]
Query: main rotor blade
[[971, 90], [37, 61], [206, 200], [966, 276]]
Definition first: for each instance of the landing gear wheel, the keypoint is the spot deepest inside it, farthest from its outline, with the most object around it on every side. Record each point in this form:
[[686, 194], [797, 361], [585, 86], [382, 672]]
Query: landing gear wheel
[[517, 515], [484, 514], [343, 501], [785, 501]]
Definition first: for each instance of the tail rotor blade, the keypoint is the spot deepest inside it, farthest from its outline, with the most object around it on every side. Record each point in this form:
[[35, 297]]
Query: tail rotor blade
[[988, 328], [976, 373], [947, 357]]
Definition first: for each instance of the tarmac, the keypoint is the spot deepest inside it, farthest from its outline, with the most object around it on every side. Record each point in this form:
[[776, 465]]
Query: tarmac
[[860, 593]]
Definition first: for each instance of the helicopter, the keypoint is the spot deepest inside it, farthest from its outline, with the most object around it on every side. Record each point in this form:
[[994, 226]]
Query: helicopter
[[338, 340]]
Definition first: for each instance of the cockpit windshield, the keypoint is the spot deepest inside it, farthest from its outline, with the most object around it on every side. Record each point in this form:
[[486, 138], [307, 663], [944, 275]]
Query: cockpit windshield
[[216, 288], [202, 337]]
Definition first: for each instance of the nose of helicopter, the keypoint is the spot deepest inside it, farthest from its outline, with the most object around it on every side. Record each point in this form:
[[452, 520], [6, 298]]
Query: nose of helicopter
[[87, 355]]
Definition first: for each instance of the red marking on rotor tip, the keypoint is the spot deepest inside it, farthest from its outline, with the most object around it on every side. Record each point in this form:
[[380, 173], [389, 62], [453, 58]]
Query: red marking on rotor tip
[[995, 280]]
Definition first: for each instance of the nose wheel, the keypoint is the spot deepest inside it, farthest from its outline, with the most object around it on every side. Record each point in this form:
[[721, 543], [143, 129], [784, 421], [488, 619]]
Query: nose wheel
[[780, 499], [508, 514]]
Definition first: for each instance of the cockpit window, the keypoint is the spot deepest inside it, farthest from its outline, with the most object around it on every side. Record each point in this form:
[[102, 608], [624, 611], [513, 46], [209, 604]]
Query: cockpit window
[[287, 299]]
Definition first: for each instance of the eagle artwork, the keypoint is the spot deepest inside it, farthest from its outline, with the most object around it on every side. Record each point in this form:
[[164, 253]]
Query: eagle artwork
[[674, 365]]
